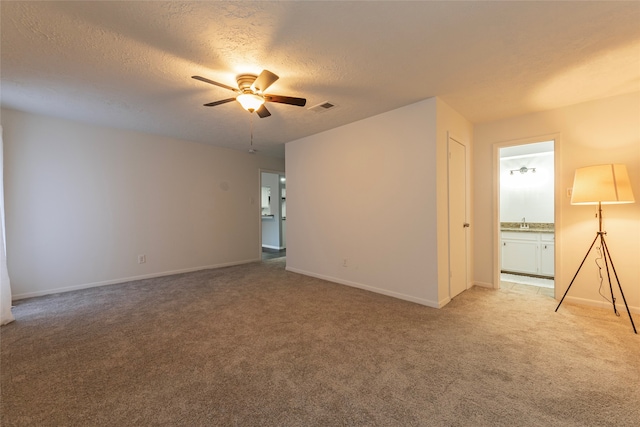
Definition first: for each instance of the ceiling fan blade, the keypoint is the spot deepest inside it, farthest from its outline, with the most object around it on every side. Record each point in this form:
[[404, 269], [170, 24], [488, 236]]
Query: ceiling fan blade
[[222, 101], [263, 112], [264, 80], [300, 102], [206, 80]]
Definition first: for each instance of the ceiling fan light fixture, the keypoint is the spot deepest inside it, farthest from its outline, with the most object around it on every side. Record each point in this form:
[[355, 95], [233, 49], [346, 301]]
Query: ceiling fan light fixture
[[250, 101], [250, 93]]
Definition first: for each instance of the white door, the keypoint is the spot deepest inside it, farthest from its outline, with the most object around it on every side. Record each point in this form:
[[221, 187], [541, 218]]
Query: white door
[[458, 222]]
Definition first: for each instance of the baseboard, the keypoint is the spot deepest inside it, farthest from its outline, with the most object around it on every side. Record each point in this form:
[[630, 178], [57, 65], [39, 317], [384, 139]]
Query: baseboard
[[602, 304], [126, 279], [444, 302], [386, 292], [484, 285], [278, 248]]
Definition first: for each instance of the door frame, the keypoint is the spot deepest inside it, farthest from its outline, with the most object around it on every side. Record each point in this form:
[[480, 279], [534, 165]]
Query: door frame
[[467, 214], [557, 200]]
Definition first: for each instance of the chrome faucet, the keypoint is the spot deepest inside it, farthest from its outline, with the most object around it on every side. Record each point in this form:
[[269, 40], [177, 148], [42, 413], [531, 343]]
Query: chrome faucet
[[524, 224]]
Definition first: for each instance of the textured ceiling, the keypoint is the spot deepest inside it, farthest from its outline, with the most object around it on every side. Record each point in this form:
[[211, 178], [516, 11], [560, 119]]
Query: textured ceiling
[[129, 64]]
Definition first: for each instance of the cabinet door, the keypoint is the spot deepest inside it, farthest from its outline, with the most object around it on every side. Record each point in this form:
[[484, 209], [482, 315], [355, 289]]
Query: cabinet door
[[547, 259], [520, 257]]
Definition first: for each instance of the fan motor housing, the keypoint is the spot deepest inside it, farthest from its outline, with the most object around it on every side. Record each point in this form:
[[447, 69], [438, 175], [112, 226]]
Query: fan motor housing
[[245, 81]]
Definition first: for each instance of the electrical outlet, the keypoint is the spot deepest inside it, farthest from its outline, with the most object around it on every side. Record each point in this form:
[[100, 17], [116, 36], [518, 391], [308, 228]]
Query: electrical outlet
[[142, 259]]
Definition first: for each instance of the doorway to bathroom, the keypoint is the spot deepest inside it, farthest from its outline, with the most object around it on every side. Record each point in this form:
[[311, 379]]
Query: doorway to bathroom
[[527, 217]]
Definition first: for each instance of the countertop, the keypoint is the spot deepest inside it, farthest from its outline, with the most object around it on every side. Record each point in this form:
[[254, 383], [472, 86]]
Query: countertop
[[534, 227]]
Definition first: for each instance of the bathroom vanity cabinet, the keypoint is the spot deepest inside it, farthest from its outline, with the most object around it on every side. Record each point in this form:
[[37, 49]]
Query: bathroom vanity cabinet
[[528, 252]]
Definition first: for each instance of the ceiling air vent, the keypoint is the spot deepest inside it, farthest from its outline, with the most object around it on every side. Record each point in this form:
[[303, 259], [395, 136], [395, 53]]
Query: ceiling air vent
[[323, 106]]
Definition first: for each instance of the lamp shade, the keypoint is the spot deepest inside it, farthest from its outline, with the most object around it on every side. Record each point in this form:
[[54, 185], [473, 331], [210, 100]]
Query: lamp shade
[[250, 101], [606, 184]]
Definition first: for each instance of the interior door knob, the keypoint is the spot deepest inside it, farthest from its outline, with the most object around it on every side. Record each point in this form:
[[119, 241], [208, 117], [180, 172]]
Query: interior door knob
[[465, 225]]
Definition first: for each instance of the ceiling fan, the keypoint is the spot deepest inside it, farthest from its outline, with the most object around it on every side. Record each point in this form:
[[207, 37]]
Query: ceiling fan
[[251, 94]]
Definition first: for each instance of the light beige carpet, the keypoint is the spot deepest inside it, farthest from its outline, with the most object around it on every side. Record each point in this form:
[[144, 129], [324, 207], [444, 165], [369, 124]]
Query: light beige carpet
[[255, 345]]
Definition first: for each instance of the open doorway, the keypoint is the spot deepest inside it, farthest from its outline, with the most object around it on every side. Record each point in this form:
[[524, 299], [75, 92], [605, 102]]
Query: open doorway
[[273, 215], [527, 217]]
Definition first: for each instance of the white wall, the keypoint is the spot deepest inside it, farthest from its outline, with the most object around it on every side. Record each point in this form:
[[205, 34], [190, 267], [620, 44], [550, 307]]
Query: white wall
[[367, 193], [83, 201], [603, 131], [528, 195]]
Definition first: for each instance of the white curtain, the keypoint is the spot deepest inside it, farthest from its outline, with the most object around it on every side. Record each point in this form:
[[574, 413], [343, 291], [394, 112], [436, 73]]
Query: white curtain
[[5, 286]]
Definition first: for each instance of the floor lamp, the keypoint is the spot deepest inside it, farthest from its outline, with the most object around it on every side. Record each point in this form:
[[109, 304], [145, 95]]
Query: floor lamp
[[602, 185]]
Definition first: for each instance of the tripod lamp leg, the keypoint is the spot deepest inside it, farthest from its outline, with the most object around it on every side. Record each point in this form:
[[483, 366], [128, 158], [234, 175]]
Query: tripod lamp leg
[[576, 275], [607, 254]]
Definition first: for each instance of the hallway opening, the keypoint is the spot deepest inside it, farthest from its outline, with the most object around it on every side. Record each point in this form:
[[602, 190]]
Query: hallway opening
[[273, 214]]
